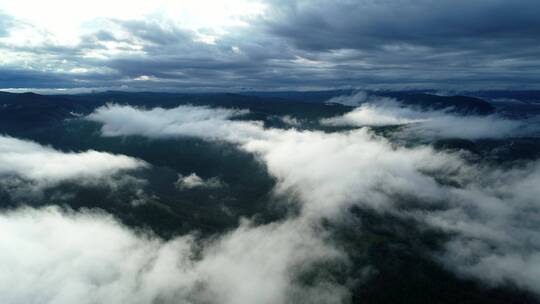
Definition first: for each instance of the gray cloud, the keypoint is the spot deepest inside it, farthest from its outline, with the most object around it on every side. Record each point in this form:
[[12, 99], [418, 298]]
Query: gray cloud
[[330, 25], [309, 44]]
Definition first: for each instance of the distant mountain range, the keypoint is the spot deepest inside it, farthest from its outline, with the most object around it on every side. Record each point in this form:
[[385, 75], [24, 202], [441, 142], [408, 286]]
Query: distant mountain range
[[26, 110]]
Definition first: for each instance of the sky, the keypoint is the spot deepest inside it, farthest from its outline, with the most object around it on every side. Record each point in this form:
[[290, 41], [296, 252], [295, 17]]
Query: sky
[[238, 45]]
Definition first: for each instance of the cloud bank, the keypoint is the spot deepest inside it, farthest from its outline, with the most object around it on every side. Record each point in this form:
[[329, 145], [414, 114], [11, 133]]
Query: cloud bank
[[425, 123], [60, 257], [46, 166], [202, 122], [490, 213], [90, 257]]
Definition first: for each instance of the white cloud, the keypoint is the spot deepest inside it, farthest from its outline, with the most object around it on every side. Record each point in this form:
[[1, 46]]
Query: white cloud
[[289, 120], [46, 166], [90, 257], [194, 181], [374, 111], [493, 218], [332, 171], [382, 113], [328, 172], [250, 264], [85, 258], [491, 213], [326, 169], [51, 256], [181, 121], [474, 258], [357, 99]]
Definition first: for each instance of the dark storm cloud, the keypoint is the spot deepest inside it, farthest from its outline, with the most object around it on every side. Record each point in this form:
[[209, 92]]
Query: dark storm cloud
[[319, 44], [327, 25], [421, 41]]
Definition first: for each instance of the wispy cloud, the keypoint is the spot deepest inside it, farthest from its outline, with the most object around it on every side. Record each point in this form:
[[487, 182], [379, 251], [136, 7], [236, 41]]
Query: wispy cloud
[[429, 123], [45, 165]]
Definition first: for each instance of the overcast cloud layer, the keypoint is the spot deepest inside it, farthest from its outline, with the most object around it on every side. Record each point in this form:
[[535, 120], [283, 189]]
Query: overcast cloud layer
[[270, 44]]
